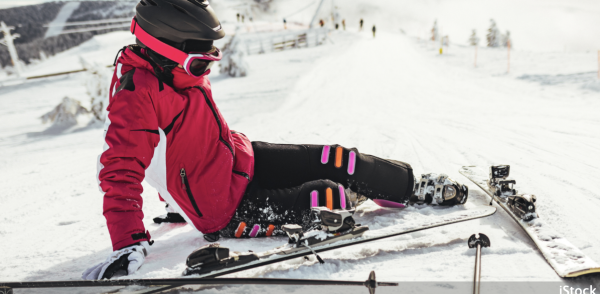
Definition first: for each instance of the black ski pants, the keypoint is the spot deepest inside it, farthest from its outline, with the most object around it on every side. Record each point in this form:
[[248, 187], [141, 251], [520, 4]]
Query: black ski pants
[[290, 179]]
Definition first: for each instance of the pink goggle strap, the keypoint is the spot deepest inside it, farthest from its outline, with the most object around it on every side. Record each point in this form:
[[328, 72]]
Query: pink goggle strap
[[156, 45]]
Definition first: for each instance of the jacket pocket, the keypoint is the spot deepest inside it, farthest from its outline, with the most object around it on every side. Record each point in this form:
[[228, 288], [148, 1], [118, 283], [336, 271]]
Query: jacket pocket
[[243, 164], [188, 190]]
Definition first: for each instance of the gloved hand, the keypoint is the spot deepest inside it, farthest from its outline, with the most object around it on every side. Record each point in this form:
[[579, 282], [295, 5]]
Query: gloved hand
[[124, 261]]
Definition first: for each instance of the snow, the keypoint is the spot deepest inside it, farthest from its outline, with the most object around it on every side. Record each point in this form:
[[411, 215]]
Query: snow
[[317, 234], [392, 96]]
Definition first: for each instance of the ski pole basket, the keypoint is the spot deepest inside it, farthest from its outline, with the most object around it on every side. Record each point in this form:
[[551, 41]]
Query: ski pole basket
[[477, 243]]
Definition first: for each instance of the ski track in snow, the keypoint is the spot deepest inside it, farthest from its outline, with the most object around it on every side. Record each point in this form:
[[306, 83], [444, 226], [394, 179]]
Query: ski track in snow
[[391, 96]]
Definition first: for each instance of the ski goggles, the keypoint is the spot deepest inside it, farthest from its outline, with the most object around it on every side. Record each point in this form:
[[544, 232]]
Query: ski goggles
[[194, 63]]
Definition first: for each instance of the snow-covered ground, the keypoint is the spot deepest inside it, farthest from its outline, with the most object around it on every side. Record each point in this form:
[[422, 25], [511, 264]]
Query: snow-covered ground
[[392, 96]]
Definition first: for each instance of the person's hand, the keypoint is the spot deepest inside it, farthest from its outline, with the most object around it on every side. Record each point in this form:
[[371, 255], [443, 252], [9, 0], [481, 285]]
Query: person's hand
[[124, 261]]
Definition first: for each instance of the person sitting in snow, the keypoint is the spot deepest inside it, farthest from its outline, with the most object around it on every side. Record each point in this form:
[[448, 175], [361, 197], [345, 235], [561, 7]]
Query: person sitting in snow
[[163, 126]]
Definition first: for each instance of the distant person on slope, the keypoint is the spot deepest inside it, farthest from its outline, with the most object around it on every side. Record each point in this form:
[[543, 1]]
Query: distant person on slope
[[374, 30], [164, 126], [361, 25]]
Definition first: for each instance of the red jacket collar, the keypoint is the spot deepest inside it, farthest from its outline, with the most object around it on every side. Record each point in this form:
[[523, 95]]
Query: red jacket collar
[[181, 79]]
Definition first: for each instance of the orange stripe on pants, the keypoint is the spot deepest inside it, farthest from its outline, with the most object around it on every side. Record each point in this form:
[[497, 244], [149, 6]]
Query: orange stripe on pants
[[240, 230], [270, 230], [338, 157], [329, 195]]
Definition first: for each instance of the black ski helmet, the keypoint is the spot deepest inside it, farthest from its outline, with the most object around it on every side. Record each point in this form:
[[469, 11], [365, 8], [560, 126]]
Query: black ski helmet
[[188, 25]]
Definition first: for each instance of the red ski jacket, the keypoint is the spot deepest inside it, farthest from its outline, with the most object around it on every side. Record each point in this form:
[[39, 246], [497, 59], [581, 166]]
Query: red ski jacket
[[177, 140]]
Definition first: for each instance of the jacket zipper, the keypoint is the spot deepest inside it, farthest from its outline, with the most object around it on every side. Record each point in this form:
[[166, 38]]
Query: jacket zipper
[[185, 182], [243, 174], [212, 108]]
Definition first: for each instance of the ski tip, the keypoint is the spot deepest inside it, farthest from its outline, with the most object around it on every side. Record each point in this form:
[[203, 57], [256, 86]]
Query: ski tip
[[582, 272]]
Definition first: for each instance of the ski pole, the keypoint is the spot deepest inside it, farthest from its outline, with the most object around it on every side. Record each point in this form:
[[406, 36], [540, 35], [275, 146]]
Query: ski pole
[[478, 242], [370, 283]]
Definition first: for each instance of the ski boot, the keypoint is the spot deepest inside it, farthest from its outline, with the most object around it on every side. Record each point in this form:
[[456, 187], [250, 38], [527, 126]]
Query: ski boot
[[170, 217], [327, 226], [440, 190], [332, 221]]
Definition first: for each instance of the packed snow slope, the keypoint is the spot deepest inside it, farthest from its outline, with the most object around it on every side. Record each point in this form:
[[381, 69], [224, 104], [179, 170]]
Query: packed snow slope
[[392, 96], [535, 25]]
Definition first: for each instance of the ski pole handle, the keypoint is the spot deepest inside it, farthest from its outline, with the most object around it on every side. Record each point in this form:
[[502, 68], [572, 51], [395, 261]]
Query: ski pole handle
[[477, 243]]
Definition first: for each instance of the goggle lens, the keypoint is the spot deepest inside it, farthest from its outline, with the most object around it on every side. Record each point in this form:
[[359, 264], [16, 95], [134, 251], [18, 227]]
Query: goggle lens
[[200, 66]]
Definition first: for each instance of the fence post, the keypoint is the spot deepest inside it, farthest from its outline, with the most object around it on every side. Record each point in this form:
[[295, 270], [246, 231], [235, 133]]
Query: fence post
[[8, 41], [508, 57], [262, 49], [475, 63]]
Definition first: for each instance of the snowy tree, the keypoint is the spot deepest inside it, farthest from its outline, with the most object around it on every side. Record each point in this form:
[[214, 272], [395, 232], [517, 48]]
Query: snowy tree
[[434, 31], [97, 84], [264, 5], [493, 35], [506, 39], [65, 113], [233, 62], [474, 40]]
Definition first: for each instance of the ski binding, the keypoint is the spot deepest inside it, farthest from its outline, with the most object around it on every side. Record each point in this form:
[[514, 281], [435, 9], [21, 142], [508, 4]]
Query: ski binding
[[566, 259]]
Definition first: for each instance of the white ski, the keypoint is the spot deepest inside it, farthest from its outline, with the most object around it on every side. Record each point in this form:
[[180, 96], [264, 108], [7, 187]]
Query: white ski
[[566, 259]]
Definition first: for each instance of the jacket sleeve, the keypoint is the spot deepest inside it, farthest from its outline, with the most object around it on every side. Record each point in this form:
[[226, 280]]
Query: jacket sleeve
[[131, 134]]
